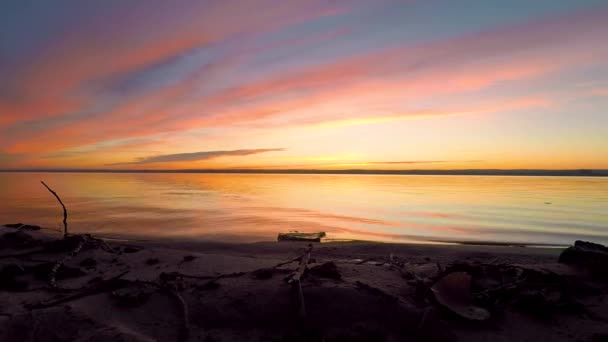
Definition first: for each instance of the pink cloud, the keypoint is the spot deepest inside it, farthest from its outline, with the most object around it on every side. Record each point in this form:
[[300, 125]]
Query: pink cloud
[[135, 38]]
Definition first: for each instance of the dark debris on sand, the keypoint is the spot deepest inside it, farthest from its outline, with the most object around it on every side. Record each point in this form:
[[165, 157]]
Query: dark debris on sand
[[73, 283]]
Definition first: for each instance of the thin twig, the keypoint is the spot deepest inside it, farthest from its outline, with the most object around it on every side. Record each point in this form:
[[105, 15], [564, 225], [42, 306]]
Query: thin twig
[[65, 211], [289, 261], [213, 278]]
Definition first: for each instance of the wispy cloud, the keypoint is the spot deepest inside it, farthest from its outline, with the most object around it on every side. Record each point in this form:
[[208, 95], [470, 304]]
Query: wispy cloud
[[346, 165], [409, 162], [198, 156]]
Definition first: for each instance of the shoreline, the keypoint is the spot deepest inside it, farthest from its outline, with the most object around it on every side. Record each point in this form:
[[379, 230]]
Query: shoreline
[[325, 241]]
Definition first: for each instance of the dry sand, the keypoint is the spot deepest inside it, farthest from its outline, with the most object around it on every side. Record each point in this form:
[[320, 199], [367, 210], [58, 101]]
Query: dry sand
[[197, 291]]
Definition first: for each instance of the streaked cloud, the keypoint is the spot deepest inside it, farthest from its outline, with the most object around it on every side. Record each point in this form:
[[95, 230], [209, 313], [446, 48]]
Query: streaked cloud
[[409, 162], [198, 156]]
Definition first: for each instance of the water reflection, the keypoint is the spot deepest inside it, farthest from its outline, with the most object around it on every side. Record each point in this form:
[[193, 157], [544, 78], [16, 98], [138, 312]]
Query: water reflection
[[255, 207]]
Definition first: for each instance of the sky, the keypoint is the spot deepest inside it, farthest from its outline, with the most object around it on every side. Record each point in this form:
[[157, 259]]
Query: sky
[[310, 84]]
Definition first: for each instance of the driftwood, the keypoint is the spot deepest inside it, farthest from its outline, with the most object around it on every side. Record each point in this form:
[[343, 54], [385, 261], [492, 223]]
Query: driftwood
[[168, 283], [296, 236], [295, 281], [212, 278], [19, 226], [103, 286], [65, 211], [58, 264], [289, 261], [184, 328]]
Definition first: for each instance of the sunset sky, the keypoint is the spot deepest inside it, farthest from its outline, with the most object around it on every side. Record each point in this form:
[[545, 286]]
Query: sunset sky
[[304, 84]]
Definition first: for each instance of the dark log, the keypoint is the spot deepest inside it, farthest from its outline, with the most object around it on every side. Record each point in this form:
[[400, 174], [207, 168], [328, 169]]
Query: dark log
[[295, 236]]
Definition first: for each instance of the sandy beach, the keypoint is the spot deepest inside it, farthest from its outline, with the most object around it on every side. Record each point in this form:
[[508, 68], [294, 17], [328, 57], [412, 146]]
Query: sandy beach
[[106, 290]]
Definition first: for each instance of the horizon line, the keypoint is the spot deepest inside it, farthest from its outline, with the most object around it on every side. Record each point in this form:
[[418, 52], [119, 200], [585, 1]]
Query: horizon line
[[471, 172]]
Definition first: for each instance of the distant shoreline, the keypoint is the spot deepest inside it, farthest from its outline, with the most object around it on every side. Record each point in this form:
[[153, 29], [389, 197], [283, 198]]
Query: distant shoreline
[[469, 172]]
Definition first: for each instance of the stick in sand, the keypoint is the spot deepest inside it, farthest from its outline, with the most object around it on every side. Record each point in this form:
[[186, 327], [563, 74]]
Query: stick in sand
[[65, 211], [297, 285]]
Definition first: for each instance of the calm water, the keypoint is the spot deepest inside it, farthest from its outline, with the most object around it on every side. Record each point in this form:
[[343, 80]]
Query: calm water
[[553, 210]]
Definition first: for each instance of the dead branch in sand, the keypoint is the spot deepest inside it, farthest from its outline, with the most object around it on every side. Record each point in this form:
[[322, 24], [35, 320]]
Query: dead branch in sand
[[103, 286], [184, 329], [65, 211], [212, 278], [289, 261], [295, 281], [58, 264]]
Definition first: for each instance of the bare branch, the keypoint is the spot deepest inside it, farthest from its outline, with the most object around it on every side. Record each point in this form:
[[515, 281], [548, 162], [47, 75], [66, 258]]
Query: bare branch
[[295, 281], [65, 211]]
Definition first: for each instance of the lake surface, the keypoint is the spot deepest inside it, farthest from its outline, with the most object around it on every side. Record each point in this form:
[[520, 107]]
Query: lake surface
[[255, 207]]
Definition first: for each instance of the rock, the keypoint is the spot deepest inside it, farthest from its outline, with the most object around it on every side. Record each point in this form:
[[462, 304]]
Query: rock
[[587, 255], [453, 291], [188, 258], [88, 263], [130, 249], [326, 270], [17, 239], [152, 261]]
